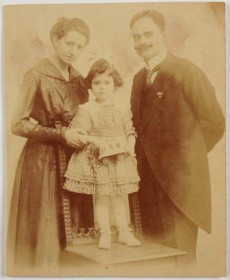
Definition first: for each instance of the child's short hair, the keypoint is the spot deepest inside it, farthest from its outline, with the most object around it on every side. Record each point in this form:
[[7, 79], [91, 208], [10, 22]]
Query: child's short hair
[[101, 66]]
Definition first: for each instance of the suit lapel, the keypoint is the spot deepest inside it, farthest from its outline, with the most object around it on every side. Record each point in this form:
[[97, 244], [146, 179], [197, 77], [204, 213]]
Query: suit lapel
[[153, 99], [138, 88]]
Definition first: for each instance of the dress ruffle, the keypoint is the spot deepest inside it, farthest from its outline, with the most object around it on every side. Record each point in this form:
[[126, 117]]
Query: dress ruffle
[[87, 172], [111, 189]]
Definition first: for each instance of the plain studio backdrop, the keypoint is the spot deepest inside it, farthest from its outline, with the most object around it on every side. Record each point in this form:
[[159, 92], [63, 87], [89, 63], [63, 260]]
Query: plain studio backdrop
[[195, 31]]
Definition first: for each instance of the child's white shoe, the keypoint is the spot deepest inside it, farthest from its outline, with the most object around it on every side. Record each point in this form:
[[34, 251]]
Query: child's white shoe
[[105, 240], [125, 236]]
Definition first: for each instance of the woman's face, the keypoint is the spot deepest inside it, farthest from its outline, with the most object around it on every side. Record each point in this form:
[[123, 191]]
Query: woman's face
[[69, 47], [103, 87]]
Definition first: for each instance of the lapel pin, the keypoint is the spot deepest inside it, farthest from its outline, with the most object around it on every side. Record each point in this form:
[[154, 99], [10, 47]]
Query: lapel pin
[[160, 94]]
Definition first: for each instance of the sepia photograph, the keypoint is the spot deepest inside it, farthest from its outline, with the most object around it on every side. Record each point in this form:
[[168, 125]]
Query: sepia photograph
[[115, 139]]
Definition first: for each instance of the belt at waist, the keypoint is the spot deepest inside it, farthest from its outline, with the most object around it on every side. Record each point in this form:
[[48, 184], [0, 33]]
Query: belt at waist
[[54, 124]]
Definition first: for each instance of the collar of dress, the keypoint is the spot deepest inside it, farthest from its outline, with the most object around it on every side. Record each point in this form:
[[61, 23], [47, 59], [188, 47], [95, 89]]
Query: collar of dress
[[47, 67], [93, 106]]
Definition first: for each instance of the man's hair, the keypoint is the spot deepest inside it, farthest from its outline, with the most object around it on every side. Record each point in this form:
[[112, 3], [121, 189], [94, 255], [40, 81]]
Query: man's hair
[[154, 15]]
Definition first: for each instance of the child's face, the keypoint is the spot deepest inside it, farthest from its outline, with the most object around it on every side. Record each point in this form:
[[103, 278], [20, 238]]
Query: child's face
[[102, 87]]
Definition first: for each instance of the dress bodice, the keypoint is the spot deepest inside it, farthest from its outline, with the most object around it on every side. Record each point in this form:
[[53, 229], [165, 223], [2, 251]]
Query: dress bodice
[[48, 98], [104, 120]]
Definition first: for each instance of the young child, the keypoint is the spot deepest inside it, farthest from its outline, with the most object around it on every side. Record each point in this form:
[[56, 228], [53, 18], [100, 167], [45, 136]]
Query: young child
[[106, 167]]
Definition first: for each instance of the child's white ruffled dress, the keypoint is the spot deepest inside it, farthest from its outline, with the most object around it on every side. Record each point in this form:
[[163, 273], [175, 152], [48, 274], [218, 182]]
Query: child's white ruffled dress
[[113, 175]]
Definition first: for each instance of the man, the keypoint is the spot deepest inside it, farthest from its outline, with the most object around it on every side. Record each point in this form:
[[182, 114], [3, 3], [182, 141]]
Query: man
[[178, 121]]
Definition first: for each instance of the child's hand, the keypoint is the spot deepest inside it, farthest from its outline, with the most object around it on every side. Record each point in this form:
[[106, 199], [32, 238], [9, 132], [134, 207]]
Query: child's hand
[[93, 140], [74, 139], [130, 148], [81, 131]]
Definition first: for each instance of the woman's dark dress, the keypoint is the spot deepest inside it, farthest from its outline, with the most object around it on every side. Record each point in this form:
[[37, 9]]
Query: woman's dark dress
[[36, 224]]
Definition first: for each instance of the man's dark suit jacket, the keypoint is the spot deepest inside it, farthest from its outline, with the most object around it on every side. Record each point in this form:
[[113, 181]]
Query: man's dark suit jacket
[[181, 122]]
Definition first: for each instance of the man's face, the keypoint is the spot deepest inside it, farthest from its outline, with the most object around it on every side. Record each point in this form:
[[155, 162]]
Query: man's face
[[147, 37]]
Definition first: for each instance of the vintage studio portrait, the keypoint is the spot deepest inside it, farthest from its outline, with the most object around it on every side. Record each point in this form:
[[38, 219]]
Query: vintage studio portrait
[[115, 139]]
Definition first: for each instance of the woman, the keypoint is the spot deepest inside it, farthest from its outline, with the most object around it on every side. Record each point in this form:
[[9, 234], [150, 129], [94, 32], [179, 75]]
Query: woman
[[50, 94]]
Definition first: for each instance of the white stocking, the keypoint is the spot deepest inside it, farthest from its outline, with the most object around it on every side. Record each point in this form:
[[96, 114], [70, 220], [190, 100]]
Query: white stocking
[[119, 212], [102, 212], [125, 236]]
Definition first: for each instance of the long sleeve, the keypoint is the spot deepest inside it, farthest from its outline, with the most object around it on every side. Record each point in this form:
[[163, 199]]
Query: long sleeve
[[200, 94], [128, 123], [21, 123], [81, 120]]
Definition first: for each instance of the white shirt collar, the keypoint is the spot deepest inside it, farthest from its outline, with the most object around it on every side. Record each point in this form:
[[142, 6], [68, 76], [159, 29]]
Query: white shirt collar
[[153, 62]]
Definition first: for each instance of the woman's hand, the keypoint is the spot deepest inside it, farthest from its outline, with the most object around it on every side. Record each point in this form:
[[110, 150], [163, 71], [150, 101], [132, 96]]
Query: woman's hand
[[75, 139]]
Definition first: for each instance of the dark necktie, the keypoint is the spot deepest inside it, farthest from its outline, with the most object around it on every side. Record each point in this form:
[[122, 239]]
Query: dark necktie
[[147, 85], [149, 74]]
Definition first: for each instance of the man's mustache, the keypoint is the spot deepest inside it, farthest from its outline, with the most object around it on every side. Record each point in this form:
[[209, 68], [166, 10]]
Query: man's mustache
[[142, 47]]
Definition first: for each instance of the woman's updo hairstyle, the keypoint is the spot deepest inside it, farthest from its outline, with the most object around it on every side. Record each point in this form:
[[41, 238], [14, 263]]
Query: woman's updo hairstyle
[[101, 66], [65, 25]]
